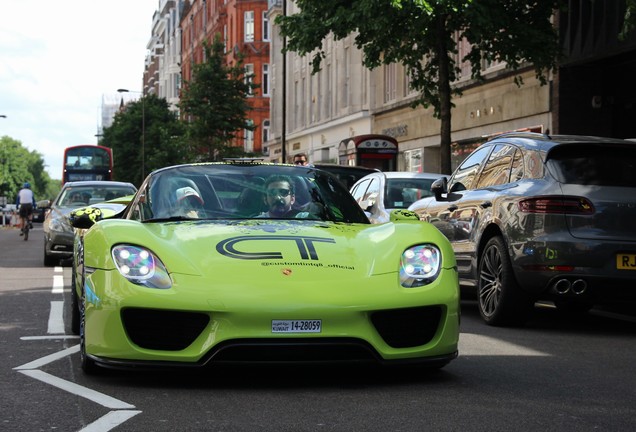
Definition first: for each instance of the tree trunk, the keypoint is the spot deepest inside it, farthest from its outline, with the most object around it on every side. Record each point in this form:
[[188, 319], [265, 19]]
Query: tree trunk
[[445, 97]]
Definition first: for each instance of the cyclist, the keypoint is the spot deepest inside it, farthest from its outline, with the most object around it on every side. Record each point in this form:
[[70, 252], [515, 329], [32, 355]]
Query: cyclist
[[26, 203]]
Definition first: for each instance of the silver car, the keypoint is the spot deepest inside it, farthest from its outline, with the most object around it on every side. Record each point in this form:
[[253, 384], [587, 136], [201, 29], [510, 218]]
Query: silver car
[[380, 192], [58, 233], [537, 217]]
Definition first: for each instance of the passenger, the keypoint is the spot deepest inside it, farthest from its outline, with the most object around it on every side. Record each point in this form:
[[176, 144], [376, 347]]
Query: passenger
[[189, 203], [301, 159]]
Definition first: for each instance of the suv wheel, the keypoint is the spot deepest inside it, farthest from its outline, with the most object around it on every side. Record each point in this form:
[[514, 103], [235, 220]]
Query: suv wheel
[[501, 301]]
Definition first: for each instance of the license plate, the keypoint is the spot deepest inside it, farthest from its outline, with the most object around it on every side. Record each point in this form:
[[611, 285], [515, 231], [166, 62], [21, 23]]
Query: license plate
[[296, 326], [626, 261]]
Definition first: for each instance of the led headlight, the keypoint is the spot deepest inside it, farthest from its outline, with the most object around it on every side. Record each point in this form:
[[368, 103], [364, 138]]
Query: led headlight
[[141, 267], [420, 265]]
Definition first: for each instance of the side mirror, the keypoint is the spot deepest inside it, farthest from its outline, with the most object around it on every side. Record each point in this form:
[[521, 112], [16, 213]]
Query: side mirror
[[85, 217], [439, 187]]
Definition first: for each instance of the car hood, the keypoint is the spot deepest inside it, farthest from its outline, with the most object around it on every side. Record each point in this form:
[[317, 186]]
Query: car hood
[[60, 212], [248, 250]]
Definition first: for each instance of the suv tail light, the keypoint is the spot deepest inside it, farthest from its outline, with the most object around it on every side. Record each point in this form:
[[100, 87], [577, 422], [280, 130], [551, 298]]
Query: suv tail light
[[561, 205]]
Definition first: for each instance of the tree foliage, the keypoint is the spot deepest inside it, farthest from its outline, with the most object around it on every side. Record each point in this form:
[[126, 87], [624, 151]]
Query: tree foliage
[[19, 165], [145, 135], [629, 24], [422, 35], [215, 103]]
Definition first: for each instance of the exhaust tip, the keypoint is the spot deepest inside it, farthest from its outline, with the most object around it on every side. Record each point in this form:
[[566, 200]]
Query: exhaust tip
[[579, 286], [562, 286]]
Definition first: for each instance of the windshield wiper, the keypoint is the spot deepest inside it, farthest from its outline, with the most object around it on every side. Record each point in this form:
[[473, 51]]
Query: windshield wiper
[[172, 219]]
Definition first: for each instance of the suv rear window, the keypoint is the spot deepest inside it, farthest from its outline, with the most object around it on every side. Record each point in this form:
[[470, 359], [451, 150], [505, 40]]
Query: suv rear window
[[602, 165]]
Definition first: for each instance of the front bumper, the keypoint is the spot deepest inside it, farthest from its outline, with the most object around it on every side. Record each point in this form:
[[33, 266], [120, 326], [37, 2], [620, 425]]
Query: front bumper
[[127, 325]]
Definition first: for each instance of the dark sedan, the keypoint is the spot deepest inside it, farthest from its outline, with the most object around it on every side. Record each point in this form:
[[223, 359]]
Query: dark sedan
[[58, 233], [537, 217]]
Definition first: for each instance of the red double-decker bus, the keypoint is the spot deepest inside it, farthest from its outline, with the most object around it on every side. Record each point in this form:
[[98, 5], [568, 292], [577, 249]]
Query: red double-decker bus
[[87, 162]]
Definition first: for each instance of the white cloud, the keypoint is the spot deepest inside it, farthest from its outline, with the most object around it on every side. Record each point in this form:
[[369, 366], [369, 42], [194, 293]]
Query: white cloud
[[57, 59]]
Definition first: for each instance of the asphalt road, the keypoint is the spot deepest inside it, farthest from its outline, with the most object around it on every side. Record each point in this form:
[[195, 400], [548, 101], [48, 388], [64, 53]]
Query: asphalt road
[[554, 374]]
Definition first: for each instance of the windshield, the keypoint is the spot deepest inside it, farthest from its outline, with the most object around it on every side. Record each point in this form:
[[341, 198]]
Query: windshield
[[80, 196], [245, 191], [402, 192]]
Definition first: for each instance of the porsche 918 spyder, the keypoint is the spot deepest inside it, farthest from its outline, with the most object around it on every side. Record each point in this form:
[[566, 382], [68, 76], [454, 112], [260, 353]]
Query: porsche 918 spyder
[[250, 262]]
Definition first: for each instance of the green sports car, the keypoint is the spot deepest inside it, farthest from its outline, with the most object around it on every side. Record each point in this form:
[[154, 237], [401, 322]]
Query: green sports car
[[250, 262]]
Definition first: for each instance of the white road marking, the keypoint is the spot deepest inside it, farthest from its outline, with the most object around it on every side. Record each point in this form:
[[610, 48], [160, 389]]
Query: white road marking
[[76, 389], [49, 337], [479, 345], [58, 269], [110, 421], [58, 284], [56, 325], [56, 318], [49, 358]]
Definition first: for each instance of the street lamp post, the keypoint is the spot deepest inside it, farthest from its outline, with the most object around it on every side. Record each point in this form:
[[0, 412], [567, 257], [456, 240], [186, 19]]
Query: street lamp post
[[143, 129], [4, 178]]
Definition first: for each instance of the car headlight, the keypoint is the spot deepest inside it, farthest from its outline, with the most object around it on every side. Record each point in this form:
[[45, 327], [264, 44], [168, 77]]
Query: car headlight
[[141, 267], [420, 265], [60, 225]]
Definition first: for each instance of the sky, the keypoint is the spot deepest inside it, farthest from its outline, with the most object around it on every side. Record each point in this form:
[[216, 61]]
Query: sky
[[57, 60]]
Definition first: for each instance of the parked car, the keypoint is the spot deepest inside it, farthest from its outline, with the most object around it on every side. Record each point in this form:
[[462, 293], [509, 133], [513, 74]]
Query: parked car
[[537, 217], [8, 212], [58, 233], [347, 174], [381, 192], [40, 210], [199, 269]]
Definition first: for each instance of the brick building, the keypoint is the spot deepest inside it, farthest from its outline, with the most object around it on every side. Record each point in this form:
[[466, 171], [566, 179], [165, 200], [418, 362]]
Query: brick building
[[244, 28]]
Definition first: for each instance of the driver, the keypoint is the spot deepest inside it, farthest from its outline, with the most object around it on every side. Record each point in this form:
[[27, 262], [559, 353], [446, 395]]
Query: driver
[[280, 197]]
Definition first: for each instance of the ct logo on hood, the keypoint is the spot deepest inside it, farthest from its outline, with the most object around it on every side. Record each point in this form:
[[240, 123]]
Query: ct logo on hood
[[305, 245]]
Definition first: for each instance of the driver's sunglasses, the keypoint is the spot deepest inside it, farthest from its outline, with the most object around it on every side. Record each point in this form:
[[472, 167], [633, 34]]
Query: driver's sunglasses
[[274, 192], [300, 161]]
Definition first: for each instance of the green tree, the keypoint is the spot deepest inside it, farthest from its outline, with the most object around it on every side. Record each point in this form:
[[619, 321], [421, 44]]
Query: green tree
[[422, 35], [145, 135], [19, 165], [215, 103], [630, 19]]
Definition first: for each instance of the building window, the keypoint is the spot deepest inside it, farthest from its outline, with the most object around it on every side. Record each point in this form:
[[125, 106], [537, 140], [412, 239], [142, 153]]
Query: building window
[[249, 139], [413, 160], [249, 77], [389, 82], [265, 27], [408, 79], [265, 131], [265, 83], [249, 26], [347, 77], [225, 39]]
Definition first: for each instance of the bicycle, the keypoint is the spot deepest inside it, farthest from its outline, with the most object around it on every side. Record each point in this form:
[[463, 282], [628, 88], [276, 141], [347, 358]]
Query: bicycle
[[25, 219], [26, 226]]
